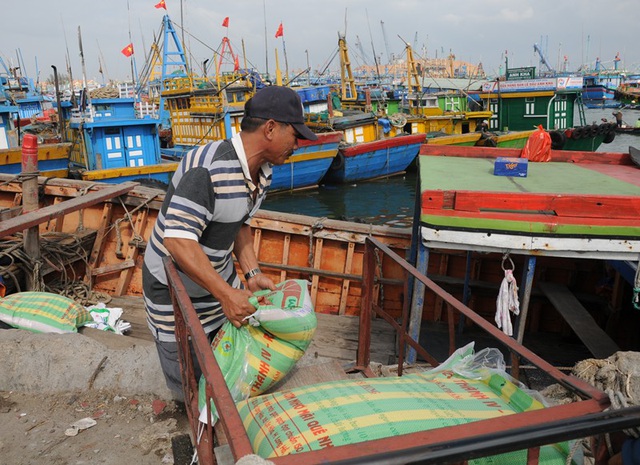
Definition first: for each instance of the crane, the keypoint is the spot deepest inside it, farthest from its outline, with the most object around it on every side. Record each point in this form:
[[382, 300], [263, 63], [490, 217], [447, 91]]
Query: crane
[[543, 60], [360, 48], [386, 43]]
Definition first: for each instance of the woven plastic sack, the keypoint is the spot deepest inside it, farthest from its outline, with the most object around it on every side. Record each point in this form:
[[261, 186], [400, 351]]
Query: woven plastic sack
[[43, 312], [468, 387], [254, 357], [538, 146]]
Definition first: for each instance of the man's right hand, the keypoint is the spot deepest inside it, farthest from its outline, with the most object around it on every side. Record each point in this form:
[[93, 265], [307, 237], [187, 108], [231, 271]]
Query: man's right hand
[[236, 306]]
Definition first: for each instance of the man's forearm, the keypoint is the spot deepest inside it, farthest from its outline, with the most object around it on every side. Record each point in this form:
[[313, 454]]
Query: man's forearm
[[194, 263], [243, 249]]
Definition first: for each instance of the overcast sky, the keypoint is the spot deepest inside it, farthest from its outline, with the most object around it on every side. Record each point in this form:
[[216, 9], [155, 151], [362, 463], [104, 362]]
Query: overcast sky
[[474, 31]]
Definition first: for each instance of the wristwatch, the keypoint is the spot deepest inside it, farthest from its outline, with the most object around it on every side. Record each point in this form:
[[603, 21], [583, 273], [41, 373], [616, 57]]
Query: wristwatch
[[251, 273]]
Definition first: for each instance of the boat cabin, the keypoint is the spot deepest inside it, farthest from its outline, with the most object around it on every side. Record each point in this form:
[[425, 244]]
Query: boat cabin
[[113, 136], [520, 105]]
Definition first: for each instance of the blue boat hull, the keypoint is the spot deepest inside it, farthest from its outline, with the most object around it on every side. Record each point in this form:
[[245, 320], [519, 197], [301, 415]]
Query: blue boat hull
[[374, 159]]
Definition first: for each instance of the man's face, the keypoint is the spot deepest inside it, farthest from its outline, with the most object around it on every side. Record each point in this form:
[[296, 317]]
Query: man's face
[[285, 142]]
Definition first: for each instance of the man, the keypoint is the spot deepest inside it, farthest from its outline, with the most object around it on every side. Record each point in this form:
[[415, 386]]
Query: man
[[204, 219], [618, 115]]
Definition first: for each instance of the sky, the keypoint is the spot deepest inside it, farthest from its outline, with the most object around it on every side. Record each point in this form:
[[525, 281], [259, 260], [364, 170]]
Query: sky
[[44, 32]]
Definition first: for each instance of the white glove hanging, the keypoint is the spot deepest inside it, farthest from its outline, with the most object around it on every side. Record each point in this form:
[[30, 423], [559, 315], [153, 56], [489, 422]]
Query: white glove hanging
[[507, 300]]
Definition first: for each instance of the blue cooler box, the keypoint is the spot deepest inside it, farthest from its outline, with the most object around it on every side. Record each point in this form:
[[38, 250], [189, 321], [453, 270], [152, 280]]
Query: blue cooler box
[[505, 166]]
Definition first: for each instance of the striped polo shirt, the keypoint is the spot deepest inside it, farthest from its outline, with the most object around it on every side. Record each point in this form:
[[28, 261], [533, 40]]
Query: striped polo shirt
[[208, 201]]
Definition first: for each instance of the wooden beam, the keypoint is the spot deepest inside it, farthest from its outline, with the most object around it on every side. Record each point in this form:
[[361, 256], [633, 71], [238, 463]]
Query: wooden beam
[[96, 251], [594, 338], [132, 253], [45, 214]]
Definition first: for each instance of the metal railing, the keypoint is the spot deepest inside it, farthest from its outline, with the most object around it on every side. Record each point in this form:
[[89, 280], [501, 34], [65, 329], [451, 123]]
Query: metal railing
[[453, 444]]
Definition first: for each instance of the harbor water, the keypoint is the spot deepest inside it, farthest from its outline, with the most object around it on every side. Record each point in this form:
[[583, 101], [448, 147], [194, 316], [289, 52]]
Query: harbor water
[[390, 201]]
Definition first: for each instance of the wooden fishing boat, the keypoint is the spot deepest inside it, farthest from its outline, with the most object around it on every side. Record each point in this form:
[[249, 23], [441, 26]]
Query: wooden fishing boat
[[580, 205], [552, 103], [364, 153], [627, 130], [510, 139], [199, 115], [115, 143], [53, 160], [53, 157]]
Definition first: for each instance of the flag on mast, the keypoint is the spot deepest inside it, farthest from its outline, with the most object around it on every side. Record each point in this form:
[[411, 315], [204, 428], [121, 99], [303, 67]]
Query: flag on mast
[[280, 31], [225, 23], [128, 50], [161, 4]]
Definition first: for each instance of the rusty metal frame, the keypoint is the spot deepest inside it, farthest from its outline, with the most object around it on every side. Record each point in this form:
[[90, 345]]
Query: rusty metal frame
[[454, 444]]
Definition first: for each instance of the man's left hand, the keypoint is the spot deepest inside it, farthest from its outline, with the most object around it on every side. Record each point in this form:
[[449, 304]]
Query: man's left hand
[[260, 282]]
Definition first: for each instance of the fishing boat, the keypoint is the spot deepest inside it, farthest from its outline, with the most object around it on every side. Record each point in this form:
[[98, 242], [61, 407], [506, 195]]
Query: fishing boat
[[579, 205], [202, 110], [522, 104], [113, 142], [627, 130], [53, 155], [368, 149], [601, 85], [628, 92]]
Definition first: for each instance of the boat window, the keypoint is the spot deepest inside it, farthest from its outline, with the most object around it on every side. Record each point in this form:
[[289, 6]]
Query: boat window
[[530, 106]]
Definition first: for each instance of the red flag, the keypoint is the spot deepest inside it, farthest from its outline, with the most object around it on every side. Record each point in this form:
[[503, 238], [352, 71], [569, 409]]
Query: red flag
[[236, 63], [162, 4], [279, 32], [128, 50], [225, 23]]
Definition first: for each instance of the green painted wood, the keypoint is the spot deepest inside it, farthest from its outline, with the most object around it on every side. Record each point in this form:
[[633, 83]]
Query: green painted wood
[[454, 173]]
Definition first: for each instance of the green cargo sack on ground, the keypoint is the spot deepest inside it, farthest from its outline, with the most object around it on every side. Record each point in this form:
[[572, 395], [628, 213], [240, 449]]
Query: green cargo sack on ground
[[353, 411], [256, 356], [43, 312]]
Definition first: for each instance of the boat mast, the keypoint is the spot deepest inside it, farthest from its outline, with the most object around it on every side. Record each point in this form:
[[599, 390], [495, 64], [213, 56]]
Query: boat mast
[[84, 71]]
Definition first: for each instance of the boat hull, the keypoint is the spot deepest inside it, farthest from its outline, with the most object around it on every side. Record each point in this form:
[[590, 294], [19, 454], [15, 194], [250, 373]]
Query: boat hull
[[308, 164], [578, 204], [53, 160], [150, 174], [369, 160]]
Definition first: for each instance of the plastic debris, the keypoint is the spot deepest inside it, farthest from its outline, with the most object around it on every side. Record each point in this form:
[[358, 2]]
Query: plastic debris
[[107, 319], [79, 426]]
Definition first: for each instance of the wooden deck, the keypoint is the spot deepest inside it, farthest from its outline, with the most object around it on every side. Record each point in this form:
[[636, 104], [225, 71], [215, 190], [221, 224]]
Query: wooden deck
[[336, 337]]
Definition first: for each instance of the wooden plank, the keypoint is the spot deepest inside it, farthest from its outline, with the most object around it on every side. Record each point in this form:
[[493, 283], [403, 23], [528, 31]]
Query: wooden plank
[[45, 214], [587, 206], [305, 375], [96, 251], [439, 302], [9, 213], [344, 294], [317, 260], [56, 223], [580, 320], [132, 252], [286, 247], [125, 265]]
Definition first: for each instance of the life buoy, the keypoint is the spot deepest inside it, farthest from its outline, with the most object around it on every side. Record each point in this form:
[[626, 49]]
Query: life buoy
[[558, 139], [578, 133], [398, 120], [608, 137], [487, 140], [338, 162]]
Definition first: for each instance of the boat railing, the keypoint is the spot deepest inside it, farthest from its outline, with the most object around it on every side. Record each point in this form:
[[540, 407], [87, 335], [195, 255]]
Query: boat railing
[[528, 430]]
